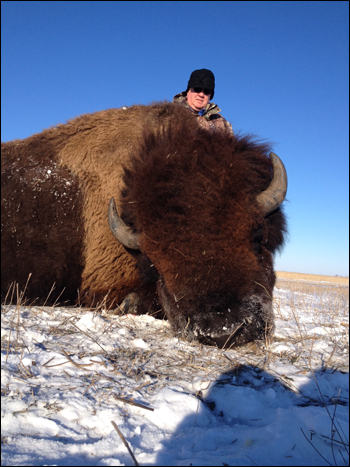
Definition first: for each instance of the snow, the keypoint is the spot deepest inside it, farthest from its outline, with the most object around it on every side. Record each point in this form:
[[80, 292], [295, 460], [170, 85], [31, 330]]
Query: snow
[[67, 373]]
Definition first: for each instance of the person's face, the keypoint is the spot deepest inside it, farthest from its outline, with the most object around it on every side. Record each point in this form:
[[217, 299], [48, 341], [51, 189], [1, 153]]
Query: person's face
[[198, 98]]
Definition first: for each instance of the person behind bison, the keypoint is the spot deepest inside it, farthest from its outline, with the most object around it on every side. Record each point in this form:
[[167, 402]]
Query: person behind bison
[[199, 92]]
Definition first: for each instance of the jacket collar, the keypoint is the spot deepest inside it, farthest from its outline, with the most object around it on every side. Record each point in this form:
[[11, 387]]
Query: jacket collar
[[210, 109]]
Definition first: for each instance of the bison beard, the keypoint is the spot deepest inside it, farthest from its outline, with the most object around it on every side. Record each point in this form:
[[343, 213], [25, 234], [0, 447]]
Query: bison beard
[[204, 250]]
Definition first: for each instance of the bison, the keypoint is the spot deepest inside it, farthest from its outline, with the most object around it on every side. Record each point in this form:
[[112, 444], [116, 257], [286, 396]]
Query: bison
[[199, 220]]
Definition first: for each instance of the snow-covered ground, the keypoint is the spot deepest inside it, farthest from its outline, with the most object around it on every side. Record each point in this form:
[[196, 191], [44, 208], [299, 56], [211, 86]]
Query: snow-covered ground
[[67, 374]]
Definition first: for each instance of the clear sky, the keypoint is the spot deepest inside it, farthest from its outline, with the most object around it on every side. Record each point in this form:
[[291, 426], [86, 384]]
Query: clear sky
[[281, 69]]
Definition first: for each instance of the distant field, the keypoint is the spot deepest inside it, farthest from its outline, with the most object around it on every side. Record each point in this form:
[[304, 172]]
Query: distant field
[[312, 277]]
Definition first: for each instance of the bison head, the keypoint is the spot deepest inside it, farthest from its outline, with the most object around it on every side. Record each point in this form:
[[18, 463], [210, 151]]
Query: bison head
[[201, 212]]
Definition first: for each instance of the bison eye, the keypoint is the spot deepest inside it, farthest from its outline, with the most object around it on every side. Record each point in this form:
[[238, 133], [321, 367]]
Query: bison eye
[[147, 271], [258, 235]]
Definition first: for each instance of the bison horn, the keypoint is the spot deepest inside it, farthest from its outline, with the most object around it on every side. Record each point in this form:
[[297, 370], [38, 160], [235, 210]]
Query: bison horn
[[274, 195], [121, 231]]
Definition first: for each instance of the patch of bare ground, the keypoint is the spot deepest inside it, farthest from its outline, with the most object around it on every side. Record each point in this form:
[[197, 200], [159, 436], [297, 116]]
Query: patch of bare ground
[[312, 277]]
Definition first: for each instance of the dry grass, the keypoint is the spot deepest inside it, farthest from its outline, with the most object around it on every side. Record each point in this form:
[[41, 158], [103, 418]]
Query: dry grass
[[315, 304], [312, 277]]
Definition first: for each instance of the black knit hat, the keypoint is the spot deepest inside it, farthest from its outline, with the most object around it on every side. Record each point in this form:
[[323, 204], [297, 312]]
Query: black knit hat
[[202, 79]]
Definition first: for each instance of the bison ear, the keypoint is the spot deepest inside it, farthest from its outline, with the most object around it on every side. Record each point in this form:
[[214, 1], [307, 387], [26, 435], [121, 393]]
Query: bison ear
[[121, 231], [274, 195]]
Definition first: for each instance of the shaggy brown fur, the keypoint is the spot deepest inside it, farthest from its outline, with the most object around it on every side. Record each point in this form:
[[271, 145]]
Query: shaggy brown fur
[[192, 194], [205, 245], [55, 187]]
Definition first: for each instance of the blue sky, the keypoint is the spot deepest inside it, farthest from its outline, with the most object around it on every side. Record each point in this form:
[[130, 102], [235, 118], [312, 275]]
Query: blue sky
[[281, 72]]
